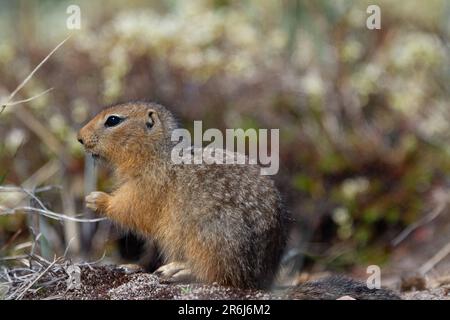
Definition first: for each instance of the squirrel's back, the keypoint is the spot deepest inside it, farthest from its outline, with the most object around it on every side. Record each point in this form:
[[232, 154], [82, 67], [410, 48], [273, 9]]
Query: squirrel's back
[[239, 217]]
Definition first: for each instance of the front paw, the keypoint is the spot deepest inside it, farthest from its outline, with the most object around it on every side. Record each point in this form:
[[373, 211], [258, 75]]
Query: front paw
[[97, 201]]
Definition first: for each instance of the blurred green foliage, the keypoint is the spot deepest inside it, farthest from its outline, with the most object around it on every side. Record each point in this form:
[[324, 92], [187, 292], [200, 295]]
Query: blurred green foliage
[[363, 114]]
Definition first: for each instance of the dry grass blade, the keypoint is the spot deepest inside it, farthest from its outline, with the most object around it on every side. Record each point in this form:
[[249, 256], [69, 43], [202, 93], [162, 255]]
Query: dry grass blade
[[21, 189], [23, 256], [43, 210], [427, 219], [46, 213], [24, 82], [44, 274], [9, 102], [29, 99], [438, 257], [19, 297]]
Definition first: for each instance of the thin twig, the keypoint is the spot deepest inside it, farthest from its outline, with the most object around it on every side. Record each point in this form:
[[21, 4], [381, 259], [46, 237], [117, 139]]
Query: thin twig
[[22, 256], [21, 189], [89, 264], [33, 245], [5, 271], [11, 240], [427, 219], [31, 194], [28, 99], [19, 297], [68, 247], [47, 213], [9, 101], [438, 257]]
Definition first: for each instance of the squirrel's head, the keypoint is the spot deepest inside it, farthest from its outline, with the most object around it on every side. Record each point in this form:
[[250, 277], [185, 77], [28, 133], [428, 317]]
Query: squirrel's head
[[124, 135]]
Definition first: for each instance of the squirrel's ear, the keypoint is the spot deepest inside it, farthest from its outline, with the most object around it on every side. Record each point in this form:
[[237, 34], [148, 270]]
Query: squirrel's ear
[[151, 119]]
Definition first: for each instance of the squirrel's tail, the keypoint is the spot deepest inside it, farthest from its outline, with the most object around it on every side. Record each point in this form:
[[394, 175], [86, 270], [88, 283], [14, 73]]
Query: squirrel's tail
[[334, 287]]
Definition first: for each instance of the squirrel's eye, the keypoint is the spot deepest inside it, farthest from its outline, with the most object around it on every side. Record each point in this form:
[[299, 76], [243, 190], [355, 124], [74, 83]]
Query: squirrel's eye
[[113, 121]]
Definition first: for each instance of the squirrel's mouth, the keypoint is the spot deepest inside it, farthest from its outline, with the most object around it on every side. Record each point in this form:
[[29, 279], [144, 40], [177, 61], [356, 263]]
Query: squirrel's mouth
[[96, 156]]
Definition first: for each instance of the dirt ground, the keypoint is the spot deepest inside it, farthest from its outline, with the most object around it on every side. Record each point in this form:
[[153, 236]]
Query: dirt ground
[[109, 282]]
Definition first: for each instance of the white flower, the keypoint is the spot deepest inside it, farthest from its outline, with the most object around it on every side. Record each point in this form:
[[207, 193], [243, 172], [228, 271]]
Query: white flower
[[313, 84], [14, 139], [353, 187]]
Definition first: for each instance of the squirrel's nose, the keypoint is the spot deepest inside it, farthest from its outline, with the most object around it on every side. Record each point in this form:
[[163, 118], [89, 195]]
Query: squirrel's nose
[[80, 140]]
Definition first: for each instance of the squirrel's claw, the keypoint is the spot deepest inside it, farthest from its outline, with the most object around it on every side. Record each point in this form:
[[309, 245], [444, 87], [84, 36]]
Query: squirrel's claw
[[96, 200], [174, 272]]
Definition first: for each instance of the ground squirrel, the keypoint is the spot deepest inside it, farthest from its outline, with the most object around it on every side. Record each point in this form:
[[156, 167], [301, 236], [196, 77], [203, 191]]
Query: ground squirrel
[[221, 223]]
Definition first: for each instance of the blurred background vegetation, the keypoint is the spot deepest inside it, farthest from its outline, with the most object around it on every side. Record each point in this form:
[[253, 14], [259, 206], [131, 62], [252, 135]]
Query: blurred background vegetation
[[363, 114]]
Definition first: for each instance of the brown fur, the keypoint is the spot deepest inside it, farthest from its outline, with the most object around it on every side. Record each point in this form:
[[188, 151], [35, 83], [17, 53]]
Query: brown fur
[[225, 221]]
